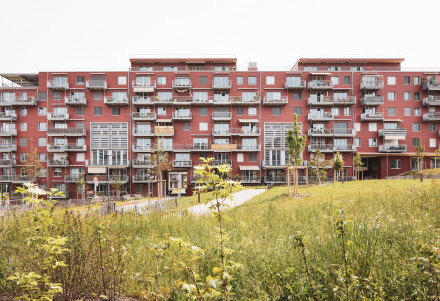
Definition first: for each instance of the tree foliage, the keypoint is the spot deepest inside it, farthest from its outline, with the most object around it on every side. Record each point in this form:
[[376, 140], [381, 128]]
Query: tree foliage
[[296, 142], [421, 154], [32, 163], [318, 165]]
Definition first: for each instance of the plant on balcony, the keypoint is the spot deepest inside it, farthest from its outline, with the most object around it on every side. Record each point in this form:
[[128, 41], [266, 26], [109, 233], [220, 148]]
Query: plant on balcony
[[297, 144], [32, 163], [338, 164], [318, 166], [357, 162], [420, 152]]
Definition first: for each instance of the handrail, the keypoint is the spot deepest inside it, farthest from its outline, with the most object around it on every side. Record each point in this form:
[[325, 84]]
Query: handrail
[[320, 83], [64, 147], [221, 83], [8, 131], [295, 84], [186, 115], [182, 163], [391, 132], [51, 84], [96, 83], [144, 115], [151, 83], [67, 131], [221, 115], [57, 116]]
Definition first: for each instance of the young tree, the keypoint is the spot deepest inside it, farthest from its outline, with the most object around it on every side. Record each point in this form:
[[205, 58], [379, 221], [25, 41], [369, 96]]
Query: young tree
[[32, 163], [160, 163], [318, 165], [420, 151], [117, 185], [296, 143], [436, 156], [357, 162], [338, 163], [81, 186]]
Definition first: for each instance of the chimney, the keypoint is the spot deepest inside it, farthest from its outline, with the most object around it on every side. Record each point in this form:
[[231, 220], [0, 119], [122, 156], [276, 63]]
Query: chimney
[[252, 66]]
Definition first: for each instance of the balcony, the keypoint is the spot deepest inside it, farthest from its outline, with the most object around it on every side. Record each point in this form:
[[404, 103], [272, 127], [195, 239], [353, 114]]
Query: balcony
[[105, 163], [182, 116], [112, 101], [432, 116], [223, 147], [57, 116], [5, 178], [397, 148], [164, 130], [141, 148], [331, 101], [144, 87], [222, 162], [221, 116], [143, 178], [320, 85], [142, 164], [326, 132], [222, 132], [143, 101], [295, 85], [53, 148], [147, 116], [201, 147], [221, 85], [431, 85], [371, 116], [372, 101], [7, 163], [326, 116], [71, 178], [245, 131], [139, 132], [372, 83], [96, 84], [112, 179], [238, 100], [323, 148], [64, 196], [392, 133], [58, 163], [275, 179], [7, 116], [345, 148], [275, 102], [181, 147], [57, 85], [431, 101], [182, 84], [24, 179], [4, 132], [70, 132], [250, 180], [8, 148], [182, 163], [247, 148], [75, 101], [29, 101]]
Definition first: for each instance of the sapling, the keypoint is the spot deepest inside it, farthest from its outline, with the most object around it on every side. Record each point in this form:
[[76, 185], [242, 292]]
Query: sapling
[[298, 243]]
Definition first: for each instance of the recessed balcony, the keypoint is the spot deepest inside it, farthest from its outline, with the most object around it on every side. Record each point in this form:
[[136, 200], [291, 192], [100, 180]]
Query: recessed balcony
[[295, 85], [144, 116], [182, 163], [432, 116], [4, 132], [113, 101], [431, 85], [372, 101], [58, 116], [5, 147], [7, 163], [223, 84], [371, 116], [57, 85], [269, 101], [182, 116], [395, 148], [8, 116], [221, 116], [58, 163], [326, 116], [164, 130], [372, 83], [331, 101], [105, 179], [182, 84], [142, 164], [70, 132], [431, 101], [148, 86], [323, 148], [392, 133], [320, 85], [96, 84], [54, 148], [75, 101]]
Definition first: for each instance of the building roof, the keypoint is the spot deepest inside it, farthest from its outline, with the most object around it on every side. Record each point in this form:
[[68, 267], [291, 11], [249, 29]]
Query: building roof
[[199, 60], [22, 79], [363, 60]]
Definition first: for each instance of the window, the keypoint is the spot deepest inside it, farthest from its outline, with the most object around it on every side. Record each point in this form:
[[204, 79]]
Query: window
[[203, 126], [415, 142], [417, 111], [416, 95], [42, 126], [297, 95], [122, 80], [432, 142], [391, 111], [240, 157], [357, 127], [80, 125], [276, 111], [239, 80], [203, 80], [161, 80], [252, 157], [97, 95], [57, 95], [97, 111], [347, 80], [357, 142], [335, 111], [297, 111], [347, 111], [42, 157], [57, 172], [434, 163], [42, 172], [252, 80], [372, 142], [239, 111], [23, 141], [200, 96], [186, 126], [406, 95], [42, 111], [391, 80], [42, 96], [116, 111], [335, 80], [432, 127], [391, 95], [407, 111], [23, 111], [270, 80], [80, 157], [416, 127], [80, 141], [169, 68], [252, 111], [372, 127], [203, 111], [23, 126], [416, 80], [80, 80], [395, 163], [23, 157], [407, 80], [161, 111], [42, 141], [80, 111]]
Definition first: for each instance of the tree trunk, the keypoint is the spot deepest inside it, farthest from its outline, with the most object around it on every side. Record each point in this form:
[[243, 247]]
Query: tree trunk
[[288, 181]]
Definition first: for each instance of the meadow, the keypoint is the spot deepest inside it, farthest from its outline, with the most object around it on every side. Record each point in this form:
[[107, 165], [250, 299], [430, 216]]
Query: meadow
[[363, 240]]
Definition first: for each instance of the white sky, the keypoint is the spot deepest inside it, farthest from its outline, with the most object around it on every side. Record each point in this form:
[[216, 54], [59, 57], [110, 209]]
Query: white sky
[[42, 35]]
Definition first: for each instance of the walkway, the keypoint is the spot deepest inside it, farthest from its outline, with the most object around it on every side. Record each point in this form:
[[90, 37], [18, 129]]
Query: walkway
[[239, 198]]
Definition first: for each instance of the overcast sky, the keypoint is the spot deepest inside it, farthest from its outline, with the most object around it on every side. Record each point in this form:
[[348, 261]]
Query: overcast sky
[[54, 35]]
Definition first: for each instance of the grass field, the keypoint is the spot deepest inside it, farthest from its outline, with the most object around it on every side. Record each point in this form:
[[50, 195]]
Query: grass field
[[385, 222]]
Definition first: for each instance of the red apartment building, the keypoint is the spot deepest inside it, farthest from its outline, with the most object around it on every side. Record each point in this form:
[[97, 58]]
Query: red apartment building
[[103, 124]]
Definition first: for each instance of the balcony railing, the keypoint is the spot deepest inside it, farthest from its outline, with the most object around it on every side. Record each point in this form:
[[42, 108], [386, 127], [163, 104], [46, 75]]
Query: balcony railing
[[66, 132], [182, 116], [222, 162], [221, 132], [164, 130], [144, 116], [392, 132], [29, 101], [275, 101], [8, 147], [110, 100], [55, 85], [71, 178], [182, 84], [331, 100], [113, 178], [245, 131], [142, 132], [141, 148], [8, 132], [432, 116], [372, 84], [7, 116], [247, 147], [326, 132], [250, 180], [58, 163], [200, 146], [66, 148], [96, 84], [24, 179], [8, 162], [320, 84], [5, 178], [143, 100], [323, 116], [238, 100], [372, 101], [105, 163], [295, 85], [221, 116], [371, 116], [323, 148], [143, 178], [142, 164], [182, 163], [431, 85], [431, 101], [57, 116], [397, 148], [148, 86], [75, 101], [221, 84], [345, 148]]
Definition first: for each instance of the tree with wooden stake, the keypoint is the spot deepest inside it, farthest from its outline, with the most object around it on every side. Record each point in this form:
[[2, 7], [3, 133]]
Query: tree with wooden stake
[[357, 162], [420, 151], [318, 166], [159, 161], [296, 143], [117, 185], [338, 164], [32, 163], [81, 186]]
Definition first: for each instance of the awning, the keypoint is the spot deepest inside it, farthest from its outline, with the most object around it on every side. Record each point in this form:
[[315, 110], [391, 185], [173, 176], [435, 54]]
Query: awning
[[248, 120], [96, 169], [163, 120], [249, 167]]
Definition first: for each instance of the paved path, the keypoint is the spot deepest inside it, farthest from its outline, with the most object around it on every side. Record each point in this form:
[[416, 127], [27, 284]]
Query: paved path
[[239, 198]]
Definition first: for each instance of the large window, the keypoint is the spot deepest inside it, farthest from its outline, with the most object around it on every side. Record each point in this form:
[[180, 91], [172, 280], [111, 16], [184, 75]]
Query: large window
[[395, 163]]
